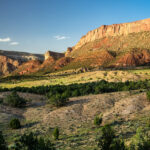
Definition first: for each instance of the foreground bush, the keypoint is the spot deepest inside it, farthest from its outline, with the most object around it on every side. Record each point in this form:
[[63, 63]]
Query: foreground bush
[[15, 123], [148, 95], [141, 141], [56, 133], [98, 120], [108, 141], [14, 100], [32, 142], [3, 145], [106, 138]]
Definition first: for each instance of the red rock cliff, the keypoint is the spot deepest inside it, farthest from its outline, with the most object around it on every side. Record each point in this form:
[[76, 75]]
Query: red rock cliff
[[114, 30]]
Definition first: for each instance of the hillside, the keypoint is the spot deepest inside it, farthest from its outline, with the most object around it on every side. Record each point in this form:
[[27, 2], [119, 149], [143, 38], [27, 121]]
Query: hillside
[[125, 111]]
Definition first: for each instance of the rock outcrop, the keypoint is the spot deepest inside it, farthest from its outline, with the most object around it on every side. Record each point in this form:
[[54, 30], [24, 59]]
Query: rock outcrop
[[134, 59], [114, 30], [54, 55], [28, 67], [69, 50]]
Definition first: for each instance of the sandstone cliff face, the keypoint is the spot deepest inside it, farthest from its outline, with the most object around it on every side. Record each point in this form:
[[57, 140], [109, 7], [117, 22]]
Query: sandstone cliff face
[[7, 65], [114, 30]]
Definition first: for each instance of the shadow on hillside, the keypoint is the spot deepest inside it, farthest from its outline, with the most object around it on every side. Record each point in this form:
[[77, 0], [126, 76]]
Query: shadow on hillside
[[82, 101], [28, 125], [36, 104]]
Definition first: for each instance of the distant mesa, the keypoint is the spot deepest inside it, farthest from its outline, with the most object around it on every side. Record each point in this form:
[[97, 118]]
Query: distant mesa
[[22, 56], [114, 30]]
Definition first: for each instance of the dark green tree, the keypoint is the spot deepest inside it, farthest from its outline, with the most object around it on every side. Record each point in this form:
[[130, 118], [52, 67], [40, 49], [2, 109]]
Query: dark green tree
[[56, 133], [118, 144], [98, 120], [3, 145], [141, 141], [148, 95], [58, 100], [14, 100], [106, 138], [32, 142], [14, 123]]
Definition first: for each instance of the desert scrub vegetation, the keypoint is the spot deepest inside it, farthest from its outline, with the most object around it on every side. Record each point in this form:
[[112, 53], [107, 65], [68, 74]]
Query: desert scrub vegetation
[[81, 89], [14, 100], [98, 120], [108, 140], [14, 123], [148, 95], [3, 145], [56, 133], [32, 142], [58, 100]]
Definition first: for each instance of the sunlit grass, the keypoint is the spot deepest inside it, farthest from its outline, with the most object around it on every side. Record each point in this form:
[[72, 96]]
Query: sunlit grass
[[93, 76]]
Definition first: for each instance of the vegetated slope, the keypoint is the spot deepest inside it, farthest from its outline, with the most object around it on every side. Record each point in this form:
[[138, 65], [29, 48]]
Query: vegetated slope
[[28, 67], [126, 111]]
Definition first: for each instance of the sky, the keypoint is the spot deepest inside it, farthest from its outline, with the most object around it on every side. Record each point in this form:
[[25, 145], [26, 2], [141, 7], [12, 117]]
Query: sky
[[39, 25]]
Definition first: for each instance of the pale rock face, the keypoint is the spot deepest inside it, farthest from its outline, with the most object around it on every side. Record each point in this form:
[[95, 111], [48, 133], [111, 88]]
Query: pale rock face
[[54, 55], [114, 30], [69, 50], [47, 55]]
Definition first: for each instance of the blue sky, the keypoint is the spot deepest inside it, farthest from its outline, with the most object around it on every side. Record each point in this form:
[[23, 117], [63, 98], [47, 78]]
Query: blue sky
[[38, 25]]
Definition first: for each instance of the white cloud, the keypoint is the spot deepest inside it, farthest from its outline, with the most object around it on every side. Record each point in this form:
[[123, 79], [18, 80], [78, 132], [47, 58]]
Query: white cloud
[[14, 43], [5, 39], [59, 37]]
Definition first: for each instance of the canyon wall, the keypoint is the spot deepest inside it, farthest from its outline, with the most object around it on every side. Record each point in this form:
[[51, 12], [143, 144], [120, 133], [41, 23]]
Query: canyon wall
[[114, 30]]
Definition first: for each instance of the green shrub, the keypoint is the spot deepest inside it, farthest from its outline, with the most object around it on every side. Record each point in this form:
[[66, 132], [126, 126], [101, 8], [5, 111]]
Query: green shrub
[[32, 142], [56, 133], [14, 100], [1, 100], [75, 93], [58, 100], [141, 141], [14, 123], [148, 95], [97, 120], [3, 145], [106, 138], [118, 144]]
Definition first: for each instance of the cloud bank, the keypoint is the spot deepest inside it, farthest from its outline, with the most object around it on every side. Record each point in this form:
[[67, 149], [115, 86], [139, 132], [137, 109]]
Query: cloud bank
[[59, 37], [14, 43], [5, 39]]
